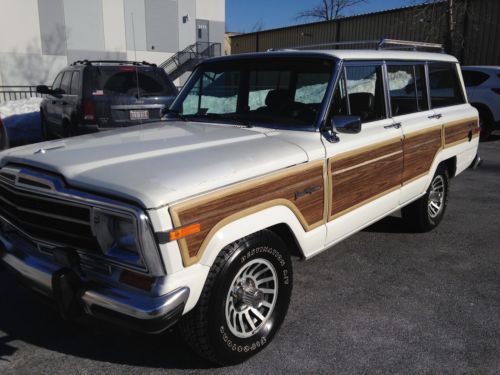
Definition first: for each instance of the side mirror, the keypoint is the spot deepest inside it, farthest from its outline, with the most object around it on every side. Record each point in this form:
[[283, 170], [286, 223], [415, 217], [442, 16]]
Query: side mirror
[[346, 124], [42, 89]]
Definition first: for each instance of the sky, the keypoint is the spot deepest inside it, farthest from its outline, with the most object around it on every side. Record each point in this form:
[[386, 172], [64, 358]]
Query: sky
[[243, 15]]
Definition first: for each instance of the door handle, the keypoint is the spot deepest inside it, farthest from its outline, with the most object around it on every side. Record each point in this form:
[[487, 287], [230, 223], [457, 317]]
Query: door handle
[[436, 116], [396, 125]]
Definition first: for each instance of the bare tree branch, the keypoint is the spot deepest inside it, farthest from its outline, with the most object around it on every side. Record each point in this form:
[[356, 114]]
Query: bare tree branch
[[328, 9]]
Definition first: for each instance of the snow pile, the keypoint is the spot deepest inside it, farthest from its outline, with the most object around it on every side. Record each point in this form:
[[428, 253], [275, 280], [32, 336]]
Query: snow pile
[[21, 119], [17, 107]]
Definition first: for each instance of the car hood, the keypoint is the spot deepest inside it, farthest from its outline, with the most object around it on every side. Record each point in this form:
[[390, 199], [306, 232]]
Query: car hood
[[160, 163]]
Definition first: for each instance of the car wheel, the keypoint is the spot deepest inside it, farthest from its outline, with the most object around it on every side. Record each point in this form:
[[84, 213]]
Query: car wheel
[[68, 129], [427, 212], [46, 134], [244, 300], [485, 123], [4, 140]]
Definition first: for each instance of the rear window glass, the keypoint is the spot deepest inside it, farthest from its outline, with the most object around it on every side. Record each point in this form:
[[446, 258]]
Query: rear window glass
[[445, 86], [126, 81]]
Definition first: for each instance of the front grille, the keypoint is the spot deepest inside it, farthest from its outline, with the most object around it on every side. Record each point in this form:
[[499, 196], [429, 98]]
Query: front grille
[[47, 219]]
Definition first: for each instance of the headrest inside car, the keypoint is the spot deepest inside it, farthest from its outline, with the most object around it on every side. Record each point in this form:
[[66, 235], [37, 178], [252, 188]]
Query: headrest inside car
[[277, 98], [361, 102]]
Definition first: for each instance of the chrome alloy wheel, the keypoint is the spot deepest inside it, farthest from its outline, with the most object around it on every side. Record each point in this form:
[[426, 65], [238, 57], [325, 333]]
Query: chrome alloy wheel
[[436, 196], [251, 298]]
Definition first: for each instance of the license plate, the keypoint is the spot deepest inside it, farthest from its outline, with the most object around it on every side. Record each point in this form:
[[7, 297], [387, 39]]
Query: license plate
[[139, 114]]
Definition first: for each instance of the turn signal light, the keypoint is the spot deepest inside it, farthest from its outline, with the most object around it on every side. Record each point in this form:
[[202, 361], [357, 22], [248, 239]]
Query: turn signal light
[[179, 233], [137, 280]]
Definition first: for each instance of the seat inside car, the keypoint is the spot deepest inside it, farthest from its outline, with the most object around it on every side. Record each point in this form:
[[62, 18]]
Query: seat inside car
[[362, 105]]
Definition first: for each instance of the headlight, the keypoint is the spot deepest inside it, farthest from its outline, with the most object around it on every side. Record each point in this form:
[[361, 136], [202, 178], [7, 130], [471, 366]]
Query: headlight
[[117, 235]]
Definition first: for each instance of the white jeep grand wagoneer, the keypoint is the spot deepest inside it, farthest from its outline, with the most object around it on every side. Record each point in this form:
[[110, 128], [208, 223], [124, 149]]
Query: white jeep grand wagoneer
[[262, 157]]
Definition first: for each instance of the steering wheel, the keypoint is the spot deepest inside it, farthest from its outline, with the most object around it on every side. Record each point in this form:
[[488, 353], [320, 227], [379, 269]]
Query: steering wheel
[[300, 111]]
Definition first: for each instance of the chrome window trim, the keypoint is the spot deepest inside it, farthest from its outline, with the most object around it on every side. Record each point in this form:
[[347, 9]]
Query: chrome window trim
[[150, 260]]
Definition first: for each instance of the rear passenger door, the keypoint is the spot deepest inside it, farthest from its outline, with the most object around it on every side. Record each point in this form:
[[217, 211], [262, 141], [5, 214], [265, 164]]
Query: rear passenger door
[[365, 169], [459, 119], [409, 105]]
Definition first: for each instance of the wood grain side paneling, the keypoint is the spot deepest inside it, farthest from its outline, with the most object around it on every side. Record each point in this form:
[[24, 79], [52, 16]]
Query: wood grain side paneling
[[420, 149], [460, 131], [362, 175], [219, 208]]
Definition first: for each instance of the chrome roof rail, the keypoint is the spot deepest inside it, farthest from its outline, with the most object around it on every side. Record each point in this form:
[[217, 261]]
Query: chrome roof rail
[[382, 44]]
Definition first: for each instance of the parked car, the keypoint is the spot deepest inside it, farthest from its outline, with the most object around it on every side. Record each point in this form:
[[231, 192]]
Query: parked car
[[483, 88], [4, 140], [264, 156], [89, 96]]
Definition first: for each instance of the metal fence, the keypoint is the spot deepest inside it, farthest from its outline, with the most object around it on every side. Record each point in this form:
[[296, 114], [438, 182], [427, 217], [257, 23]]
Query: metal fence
[[18, 92], [476, 30]]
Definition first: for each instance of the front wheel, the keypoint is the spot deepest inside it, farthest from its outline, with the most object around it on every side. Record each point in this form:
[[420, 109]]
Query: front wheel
[[244, 301], [427, 212]]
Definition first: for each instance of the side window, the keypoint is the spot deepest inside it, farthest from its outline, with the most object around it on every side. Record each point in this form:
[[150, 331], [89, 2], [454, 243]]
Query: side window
[[444, 85], [57, 81], [407, 89], [75, 83], [365, 92], [66, 82], [340, 107]]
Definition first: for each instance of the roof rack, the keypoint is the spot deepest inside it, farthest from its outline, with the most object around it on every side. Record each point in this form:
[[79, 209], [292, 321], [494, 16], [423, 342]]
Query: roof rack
[[382, 44], [120, 62]]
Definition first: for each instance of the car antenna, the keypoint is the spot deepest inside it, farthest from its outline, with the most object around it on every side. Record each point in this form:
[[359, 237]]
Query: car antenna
[[135, 56]]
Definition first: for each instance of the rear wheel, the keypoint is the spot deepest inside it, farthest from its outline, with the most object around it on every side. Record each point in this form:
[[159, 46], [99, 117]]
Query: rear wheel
[[68, 129], [4, 140], [486, 124], [46, 134], [427, 212], [244, 301]]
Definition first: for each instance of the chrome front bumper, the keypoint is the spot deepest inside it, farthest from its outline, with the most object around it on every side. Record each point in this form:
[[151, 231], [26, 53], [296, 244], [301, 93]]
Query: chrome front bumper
[[133, 309]]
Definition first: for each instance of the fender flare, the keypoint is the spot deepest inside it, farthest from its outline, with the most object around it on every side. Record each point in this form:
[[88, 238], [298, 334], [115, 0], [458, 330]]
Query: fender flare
[[262, 219]]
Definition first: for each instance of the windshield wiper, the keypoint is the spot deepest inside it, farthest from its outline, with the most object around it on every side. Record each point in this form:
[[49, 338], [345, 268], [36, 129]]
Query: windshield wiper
[[234, 118], [175, 113]]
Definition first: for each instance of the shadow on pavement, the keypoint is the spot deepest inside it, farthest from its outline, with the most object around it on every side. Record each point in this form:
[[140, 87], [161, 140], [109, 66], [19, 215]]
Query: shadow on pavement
[[28, 319], [390, 224]]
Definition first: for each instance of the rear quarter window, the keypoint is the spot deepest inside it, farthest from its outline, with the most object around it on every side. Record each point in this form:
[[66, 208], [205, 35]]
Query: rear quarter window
[[445, 87]]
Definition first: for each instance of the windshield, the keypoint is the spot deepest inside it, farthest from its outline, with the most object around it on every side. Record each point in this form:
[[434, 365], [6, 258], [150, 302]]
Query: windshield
[[279, 91], [124, 80]]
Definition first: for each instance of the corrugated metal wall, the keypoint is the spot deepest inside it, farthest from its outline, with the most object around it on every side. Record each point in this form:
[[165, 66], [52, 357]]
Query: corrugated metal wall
[[480, 26]]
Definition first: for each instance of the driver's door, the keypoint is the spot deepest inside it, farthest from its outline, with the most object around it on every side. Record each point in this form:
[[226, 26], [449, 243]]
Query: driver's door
[[364, 169]]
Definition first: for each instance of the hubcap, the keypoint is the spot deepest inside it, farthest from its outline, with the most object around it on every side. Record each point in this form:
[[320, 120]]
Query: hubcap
[[251, 298], [436, 197]]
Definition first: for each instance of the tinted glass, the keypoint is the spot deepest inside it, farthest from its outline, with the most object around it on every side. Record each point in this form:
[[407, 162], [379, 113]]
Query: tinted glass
[[366, 92], [75, 83], [66, 82], [282, 91], [445, 86], [126, 81], [407, 89], [472, 78], [57, 81]]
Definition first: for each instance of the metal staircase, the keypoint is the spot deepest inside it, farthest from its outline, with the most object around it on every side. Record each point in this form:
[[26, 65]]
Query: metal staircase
[[185, 60]]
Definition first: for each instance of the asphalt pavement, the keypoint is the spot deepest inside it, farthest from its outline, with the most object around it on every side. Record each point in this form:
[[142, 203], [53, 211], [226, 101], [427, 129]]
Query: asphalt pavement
[[383, 301]]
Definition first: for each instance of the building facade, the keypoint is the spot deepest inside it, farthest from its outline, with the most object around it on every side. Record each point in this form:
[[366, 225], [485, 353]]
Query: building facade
[[39, 37]]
